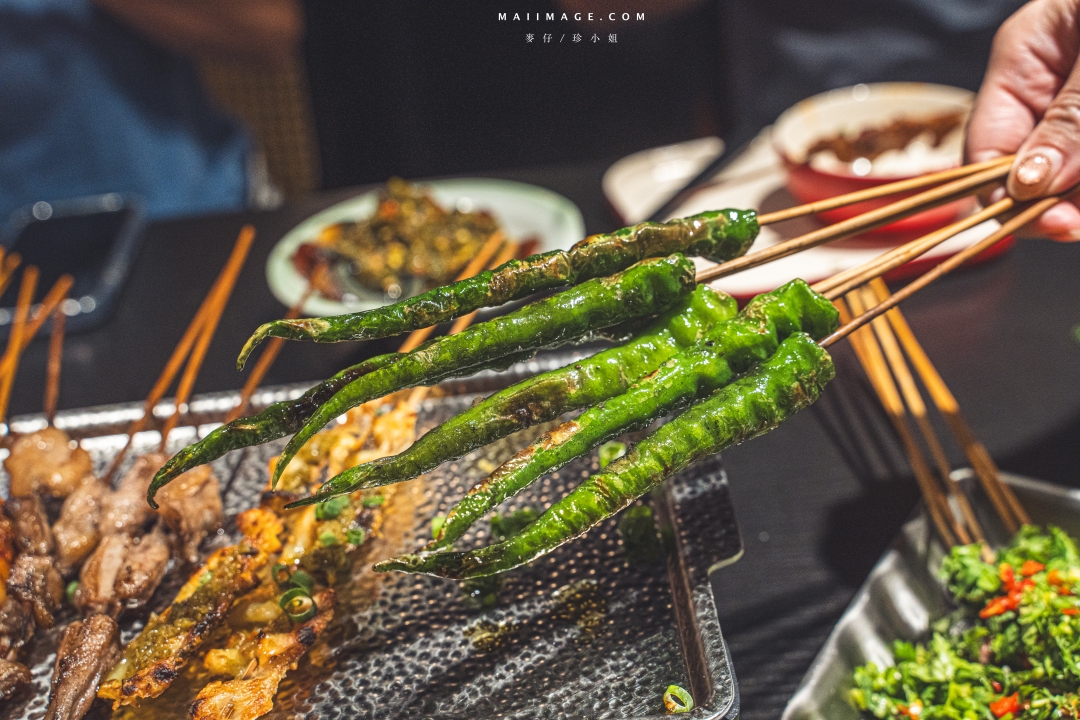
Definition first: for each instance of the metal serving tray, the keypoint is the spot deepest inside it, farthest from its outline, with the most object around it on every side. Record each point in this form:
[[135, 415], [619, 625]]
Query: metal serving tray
[[903, 596], [407, 646]]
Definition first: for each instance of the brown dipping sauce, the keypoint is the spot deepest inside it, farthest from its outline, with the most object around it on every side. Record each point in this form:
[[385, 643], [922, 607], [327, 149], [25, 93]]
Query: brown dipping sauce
[[897, 135]]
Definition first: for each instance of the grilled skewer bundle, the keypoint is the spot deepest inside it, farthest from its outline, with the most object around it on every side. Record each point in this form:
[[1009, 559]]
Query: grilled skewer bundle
[[731, 378]]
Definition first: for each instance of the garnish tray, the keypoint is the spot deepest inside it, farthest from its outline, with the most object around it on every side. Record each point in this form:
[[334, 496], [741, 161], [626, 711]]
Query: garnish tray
[[903, 596], [585, 632]]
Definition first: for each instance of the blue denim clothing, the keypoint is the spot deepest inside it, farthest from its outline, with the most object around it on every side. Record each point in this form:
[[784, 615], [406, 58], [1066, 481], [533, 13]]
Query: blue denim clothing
[[88, 106]]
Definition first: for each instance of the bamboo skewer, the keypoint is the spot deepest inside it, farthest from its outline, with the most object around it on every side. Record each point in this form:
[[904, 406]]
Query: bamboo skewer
[[180, 353], [870, 357], [918, 411], [508, 253], [880, 191], [266, 360], [1005, 502], [861, 223], [1010, 226], [843, 282], [221, 297], [8, 266], [56, 359], [475, 266], [9, 363]]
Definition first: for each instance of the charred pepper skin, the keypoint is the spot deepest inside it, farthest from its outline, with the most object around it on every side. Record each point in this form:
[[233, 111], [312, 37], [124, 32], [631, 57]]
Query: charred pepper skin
[[278, 420], [789, 381], [730, 349], [717, 235], [548, 395], [645, 289]]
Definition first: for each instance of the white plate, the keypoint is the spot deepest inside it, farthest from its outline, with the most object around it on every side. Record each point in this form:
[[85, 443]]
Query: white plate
[[756, 179], [522, 210], [638, 183]]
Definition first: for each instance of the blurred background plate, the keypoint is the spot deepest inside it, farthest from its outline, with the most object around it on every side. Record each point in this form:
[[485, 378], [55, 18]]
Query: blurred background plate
[[523, 211]]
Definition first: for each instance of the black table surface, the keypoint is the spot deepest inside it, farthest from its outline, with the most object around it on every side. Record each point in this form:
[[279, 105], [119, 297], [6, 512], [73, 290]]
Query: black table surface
[[818, 500]]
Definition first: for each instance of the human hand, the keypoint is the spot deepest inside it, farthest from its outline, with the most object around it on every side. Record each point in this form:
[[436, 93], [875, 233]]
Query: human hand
[[1029, 104]]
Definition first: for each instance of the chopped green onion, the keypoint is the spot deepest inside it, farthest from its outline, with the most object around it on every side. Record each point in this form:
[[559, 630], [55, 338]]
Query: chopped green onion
[[298, 605], [436, 525], [205, 578], [328, 538], [69, 591], [301, 579], [281, 574], [373, 501], [677, 700], [355, 536], [331, 508], [609, 452]]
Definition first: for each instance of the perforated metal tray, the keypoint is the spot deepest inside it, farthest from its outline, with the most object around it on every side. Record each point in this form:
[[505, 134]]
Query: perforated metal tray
[[407, 646], [903, 596]]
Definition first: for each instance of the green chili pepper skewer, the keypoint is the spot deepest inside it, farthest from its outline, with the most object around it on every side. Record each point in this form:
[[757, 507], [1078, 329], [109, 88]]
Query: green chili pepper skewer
[[278, 420], [728, 350], [717, 235], [546, 396], [648, 288], [789, 381]]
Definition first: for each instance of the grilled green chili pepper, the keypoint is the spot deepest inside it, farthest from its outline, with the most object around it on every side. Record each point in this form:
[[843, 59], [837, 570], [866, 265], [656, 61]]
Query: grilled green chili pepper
[[548, 395], [718, 235], [280, 419], [752, 405], [729, 349], [648, 288]]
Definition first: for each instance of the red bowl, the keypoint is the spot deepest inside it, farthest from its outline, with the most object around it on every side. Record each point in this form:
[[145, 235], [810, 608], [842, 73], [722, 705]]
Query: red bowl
[[848, 111]]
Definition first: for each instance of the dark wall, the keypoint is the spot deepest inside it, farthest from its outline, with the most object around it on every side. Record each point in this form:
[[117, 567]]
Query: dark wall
[[428, 87]]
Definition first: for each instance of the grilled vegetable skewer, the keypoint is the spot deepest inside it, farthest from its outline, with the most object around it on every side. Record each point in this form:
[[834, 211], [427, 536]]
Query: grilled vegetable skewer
[[730, 349], [789, 381], [717, 235], [650, 287], [546, 396]]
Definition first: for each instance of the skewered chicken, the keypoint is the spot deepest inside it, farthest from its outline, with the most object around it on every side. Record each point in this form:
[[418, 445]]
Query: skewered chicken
[[47, 460], [77, 531], [87, 650]]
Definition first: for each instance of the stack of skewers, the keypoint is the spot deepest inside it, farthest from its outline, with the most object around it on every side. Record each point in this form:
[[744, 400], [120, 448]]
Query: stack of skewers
[[721, 375]]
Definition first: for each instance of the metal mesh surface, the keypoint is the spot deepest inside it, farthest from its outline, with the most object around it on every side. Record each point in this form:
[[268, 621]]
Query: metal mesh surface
[[586, 631]]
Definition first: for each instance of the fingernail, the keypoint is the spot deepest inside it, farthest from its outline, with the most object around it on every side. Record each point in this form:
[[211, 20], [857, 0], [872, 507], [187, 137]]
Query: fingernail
[[1033, 174], [1069, 236]]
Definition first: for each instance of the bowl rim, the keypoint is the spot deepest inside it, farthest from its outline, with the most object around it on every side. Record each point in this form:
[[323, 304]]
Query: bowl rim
[[840, 97]]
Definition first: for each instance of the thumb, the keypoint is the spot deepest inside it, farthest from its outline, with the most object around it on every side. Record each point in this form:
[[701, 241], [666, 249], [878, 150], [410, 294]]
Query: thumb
[[1048, 162]]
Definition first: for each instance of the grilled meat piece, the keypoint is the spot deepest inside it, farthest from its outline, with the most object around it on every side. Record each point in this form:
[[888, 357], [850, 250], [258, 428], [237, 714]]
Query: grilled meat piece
[[16, 625], [7, 551], [36, 581], [47, 460], [14, 677], [153, 659], [252, 694], [125, 510], [88, 649], [32, 533], [191, 506], [122, 572], [77, 531]]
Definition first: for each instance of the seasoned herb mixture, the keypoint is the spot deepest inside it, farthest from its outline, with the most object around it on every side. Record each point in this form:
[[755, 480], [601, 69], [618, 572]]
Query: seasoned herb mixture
[[1011, 649]]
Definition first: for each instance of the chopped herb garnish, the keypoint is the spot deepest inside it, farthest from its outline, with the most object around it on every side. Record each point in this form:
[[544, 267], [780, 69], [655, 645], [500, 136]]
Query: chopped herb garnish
[[69, 591], [436, 525], [373, 501], [328, 538], [331, 508], [677, 700], [298, 605], [609, 452], [355, 536], [504, 527], [1009, 650]]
